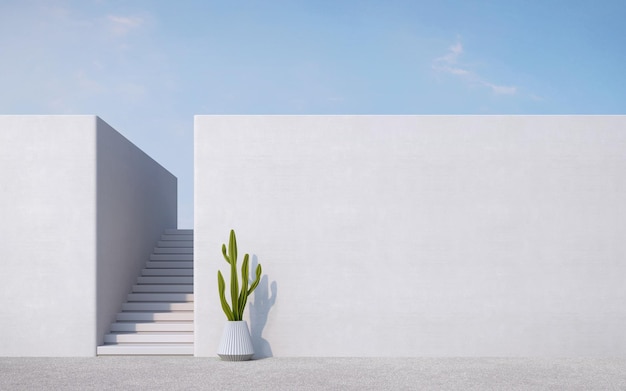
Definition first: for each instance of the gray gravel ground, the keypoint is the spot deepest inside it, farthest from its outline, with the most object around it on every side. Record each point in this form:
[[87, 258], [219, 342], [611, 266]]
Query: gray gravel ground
[[189, 373]]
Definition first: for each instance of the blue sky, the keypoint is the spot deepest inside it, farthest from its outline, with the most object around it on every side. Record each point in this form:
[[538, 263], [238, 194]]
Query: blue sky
[[147, 66]]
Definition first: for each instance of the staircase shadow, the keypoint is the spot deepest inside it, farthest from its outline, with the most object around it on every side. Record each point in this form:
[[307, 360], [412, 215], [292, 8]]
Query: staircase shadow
[[259, 311]]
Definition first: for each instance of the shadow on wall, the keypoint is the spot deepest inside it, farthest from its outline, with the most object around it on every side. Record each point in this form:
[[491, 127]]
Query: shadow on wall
[[259, 311]]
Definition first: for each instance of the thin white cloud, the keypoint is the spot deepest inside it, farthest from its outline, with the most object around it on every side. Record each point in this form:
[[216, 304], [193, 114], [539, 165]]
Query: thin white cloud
[[536, 98], [122, 25], [458, 71], [449, 63], [501, 90]]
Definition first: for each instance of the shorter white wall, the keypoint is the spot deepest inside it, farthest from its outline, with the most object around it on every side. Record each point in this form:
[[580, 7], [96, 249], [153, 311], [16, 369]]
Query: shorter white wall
[[81, 208], [417, 235]]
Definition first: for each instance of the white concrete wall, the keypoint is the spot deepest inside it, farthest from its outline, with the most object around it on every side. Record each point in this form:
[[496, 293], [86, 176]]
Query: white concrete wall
[[417, 235], [47, 282], [79, 206]]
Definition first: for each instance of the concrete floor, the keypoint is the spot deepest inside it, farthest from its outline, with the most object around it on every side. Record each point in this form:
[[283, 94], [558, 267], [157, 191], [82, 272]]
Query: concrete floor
[[189, 373]]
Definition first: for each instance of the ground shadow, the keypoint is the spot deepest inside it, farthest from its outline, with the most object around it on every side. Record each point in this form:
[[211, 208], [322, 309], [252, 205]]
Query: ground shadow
[[259, 311]]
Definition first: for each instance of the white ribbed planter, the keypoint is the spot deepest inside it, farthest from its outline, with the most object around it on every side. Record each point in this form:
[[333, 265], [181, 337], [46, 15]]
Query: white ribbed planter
[[236, 344]]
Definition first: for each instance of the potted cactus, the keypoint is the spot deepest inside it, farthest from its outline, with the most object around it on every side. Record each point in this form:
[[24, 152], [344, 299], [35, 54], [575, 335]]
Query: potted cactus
[[236, 344]]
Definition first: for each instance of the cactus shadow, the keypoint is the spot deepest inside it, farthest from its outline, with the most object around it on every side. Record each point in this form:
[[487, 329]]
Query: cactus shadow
[[264, 299]]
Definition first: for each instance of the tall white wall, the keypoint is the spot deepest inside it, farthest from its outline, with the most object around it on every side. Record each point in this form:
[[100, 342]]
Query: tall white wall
[[47, 282], [417, 235], [81, 208]]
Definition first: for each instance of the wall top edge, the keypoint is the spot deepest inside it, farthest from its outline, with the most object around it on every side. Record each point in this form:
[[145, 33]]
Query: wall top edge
[[50, 115], [409, 115]]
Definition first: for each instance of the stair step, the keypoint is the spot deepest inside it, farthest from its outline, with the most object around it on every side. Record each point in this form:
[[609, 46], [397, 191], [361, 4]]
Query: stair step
[[165, 280], [155, 316], [171, 257], [149, 338], [167, 272], [146, 350], [169, 265], [163, 288], [173, 250], [148, 306], [179, 231], [151, 327], [172, 243], [160, 297], [177, 237], [158, 317]]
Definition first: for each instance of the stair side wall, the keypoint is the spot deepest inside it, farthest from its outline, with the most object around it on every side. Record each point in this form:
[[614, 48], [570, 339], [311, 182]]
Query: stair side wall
[[136, 202], [48, 235]]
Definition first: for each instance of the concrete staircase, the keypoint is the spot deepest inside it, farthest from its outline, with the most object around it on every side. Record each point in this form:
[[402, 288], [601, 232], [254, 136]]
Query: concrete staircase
[[157, 318]]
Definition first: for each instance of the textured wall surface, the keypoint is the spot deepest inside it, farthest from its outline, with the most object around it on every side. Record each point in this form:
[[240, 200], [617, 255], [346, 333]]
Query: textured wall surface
[[80, 209], [47, 292], [417, 235]]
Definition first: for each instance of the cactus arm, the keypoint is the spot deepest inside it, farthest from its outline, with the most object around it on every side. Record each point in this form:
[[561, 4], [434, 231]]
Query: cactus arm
[[221, 287], [242, 305], [232, 244], [234, 281], [257, 279], [234, 292], [225, 254], [245, 275]]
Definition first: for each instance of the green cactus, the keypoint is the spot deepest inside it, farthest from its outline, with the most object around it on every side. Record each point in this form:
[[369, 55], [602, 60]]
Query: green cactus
[[238, 298]]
